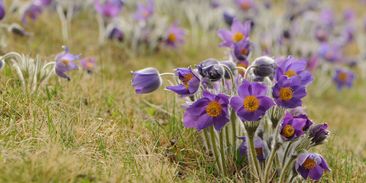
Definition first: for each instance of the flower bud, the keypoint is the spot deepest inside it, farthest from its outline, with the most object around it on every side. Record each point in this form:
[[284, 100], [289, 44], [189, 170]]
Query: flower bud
[[264, 66], [318, 133], [146, 80], [211, 69]]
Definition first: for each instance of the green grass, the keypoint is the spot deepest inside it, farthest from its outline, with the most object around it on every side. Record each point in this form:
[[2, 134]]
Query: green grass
[[95, 129]]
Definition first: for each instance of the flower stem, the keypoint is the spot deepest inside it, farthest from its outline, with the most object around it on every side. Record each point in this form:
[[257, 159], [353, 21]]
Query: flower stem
[[207, 140], [286, 152], [215, 150], [233, 123], [222, 151], [269, 162], [284, 170], [253, 157]]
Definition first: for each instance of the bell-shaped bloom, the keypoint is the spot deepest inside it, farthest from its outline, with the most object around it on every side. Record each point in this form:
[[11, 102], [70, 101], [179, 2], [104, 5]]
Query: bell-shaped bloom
[[2, 10], [211, 70], [174, 36], [210, 110], [65, 62], [144, 11], [108, 8], [245, 5], [291, 67], [239, 31], [32, 12], [293, 127], [190, 82], [88, 64], [319, 133], [252, 102], [146, 80], [259, 146], [116, 34], [343, 78], [311, 165], [241, 50], [288, 92]]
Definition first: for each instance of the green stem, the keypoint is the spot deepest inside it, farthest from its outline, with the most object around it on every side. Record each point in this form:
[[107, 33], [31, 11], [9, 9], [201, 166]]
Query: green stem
[[207, 140], [222, 152], [286, 152], [233, 123], [253, 156], [228, 143], [284, 170], [215, 150], [269, 162]]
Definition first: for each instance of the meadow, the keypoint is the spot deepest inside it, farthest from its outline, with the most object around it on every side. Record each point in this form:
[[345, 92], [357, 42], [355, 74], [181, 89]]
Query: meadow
[[94, 128]]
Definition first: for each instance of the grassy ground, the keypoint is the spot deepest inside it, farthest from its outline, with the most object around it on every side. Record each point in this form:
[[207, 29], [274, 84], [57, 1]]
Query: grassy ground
[[95, 128]]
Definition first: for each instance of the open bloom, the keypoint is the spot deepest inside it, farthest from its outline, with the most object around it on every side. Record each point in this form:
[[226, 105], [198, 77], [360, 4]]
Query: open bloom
[[190, 82], [330, 53], [291, 67], [293, 127], [210, 110], [65, 62], [238, 32], [259, 147], [32, 12], [311, 165], [288, 92], [174, 36], [252, 102], [108, 8], [241, 50], [146, 80], [2, 10], [144, 11], [343, 78], [88, 64]]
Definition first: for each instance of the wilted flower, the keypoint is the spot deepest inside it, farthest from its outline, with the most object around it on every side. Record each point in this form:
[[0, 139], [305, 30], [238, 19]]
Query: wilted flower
[[88, 64], [116, 34], [252, 102], [291, 67], [174, 36], [211, 69], [144, 11], [263, 66], [288, 92], [146, 80], [190, 82], [245, 4], [2, 10], [239, 31], [293, 127], [343, 78], [65, 63], [108, 8], [318, 133], [32, 12], [311, 165], [210, 110], [259, 147]]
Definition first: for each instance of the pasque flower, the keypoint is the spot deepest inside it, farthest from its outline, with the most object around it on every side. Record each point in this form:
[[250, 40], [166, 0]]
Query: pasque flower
[[144, 11], [259, 147], [116, 34], [65, 62], [288, 92], [291, 67], [211, 69], [108, 8], [174, 36], [311, 165], [2, 10], [88, 64], [32, 12], [252, 102], [245, 4], [190, 82], [330, 53], [319, 133], [42, 3], [146, 80], [343, 78], [210, 110], [263, 66], [293, 127], [241, 50], [239, 31]]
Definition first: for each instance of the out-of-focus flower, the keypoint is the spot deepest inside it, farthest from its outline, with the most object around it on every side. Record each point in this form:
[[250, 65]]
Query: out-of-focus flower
[[312, 63], [343, 78], [108, 8], [291, 67], [264, 66], [211, 69], [146, 80], [18, 30], [288, 92], [252, 102], [116, 34], [238, 32], [330, 53], [327, 18], [88, 64], [190, 82], [293, 127], [174, 36], [321, 34], [42, 3], [245, 5], [2, 10], [215, 4], [241, 50], [144, 11], [65, 62], [311, 165], [318, 133], [259, 147], [228, 18], [32, 12], [210, 110]]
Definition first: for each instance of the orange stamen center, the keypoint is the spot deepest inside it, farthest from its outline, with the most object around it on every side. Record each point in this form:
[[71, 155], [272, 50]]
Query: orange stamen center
[[213, 109], [288, 131], [251, 103], [286, 93], [238, 37]]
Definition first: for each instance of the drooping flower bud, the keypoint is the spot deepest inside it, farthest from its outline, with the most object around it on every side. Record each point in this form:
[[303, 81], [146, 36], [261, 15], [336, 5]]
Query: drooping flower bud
[[146, 80], [211, 69], [264, 66], [319, 133]]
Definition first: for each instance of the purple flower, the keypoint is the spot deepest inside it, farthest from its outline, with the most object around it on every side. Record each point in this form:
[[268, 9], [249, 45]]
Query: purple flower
[[174, 36], [210, 110], [108, 8], [116, 34], [245, 4], [143, 11], [291, 67], [311, 165], [319, 133], [228, 18], [32, 12], [327, 18], [330, 53], [88, 64], [293, 127], [65, 63], [343, 78], [42, 3], [2, 10], [321, 34], [190, 82], [312, 63], [259, 147], [241, 50], [252, 102], [237, 33], [288, 92], [263, 66], [146, 80]]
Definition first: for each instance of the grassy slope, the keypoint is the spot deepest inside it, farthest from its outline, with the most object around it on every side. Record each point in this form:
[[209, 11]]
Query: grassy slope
[[95, 128]]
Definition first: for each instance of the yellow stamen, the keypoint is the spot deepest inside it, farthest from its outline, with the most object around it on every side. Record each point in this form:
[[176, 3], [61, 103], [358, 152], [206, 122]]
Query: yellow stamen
[[244, 51], [65, 62], [342, 76], [288, 131], [286, 93], [251, 103], [290, 73], [186, 78], [309, 164], [172, 37], [214, 109], [238, 37]]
